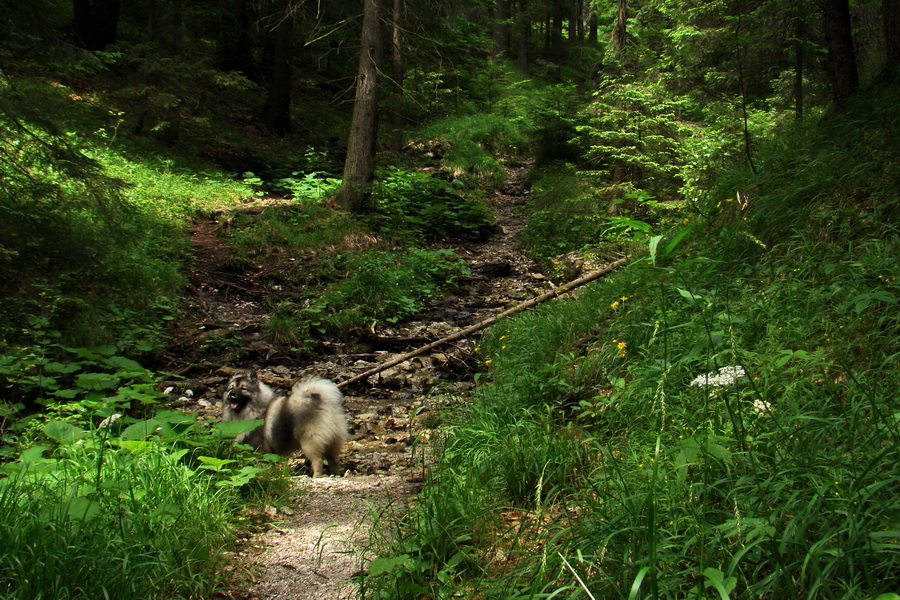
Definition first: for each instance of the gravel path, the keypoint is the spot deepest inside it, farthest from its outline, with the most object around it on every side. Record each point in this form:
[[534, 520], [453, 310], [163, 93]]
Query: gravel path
[[312, 547]]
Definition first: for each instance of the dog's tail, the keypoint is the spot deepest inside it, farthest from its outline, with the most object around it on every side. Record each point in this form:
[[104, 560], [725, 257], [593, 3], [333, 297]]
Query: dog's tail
[[317, 391]]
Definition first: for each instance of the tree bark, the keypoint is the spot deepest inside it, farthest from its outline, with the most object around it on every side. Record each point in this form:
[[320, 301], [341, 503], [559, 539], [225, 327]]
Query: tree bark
[[96, 22], [277, 110], [523, 25], [841, 56], [178, 33], [500, 34], [890, 12], [233, 46], [555, 32], [398, 75], [620, 31], [359, 167], [799, 31]]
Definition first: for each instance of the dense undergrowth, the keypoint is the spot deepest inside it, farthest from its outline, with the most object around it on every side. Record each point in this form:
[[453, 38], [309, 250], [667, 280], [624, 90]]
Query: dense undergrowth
[[106, 494], [103, 492], [718, 419]]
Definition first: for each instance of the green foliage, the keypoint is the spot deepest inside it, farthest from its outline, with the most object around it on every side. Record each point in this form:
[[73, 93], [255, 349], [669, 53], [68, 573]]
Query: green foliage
[[471, 144], [282, 236], [171, 189], [564, 213], [631, 130], [106, 501], [716, 419], [379, 287], [546, 114], [89, 237], [150, 528], [414, 205], [567, 213]]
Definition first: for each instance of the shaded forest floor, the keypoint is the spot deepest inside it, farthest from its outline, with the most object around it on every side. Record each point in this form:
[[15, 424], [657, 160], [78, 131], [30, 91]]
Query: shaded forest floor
[[312, 545]]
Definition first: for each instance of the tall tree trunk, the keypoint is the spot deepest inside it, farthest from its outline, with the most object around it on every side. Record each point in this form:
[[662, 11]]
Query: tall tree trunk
[[178, 33], [555, 31], [620, 30], [233, 46], [841, 57], [398, 75], [523, 25], [890, 12], [152, 20], [577, 14], [277, 110], [500, 35], [96, 22], [359, 167], [799, 31]]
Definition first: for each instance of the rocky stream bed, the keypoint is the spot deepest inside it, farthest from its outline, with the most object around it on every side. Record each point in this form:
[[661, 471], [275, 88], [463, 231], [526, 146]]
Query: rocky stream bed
[[313, 545]]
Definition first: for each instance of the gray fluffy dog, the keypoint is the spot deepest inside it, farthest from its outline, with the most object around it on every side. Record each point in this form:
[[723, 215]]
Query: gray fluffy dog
[[311, 418], [247, 398]]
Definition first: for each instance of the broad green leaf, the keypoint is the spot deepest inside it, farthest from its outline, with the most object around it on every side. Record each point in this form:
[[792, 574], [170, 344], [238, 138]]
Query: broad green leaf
[[82, 508], [654, 242], [166, 509], [137, 446], [233, 428], [634, 594], [126, 364], [140, 430], [216, 464], [64, 432], [691, 297], [673, 243], [722, 584], [33, 454], [388, 564]]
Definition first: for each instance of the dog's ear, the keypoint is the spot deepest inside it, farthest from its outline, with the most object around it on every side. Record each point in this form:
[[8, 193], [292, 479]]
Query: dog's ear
[[254, 378]]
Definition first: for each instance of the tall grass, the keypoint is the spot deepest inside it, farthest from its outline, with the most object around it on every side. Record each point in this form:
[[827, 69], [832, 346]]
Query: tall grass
[[716, 420], [140, 525]]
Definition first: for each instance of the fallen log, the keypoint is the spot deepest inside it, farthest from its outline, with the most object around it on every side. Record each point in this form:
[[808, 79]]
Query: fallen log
[[490, 320]]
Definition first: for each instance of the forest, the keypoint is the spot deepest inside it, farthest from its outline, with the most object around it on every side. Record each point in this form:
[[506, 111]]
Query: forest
[[190, 188]]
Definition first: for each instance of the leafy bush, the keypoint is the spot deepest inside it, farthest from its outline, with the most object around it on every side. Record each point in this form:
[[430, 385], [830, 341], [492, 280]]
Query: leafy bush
[[564, 213], [90, 238], [102, 501], [380, 287], [631, 131], [471, 142], [281, 235], [413, 204]]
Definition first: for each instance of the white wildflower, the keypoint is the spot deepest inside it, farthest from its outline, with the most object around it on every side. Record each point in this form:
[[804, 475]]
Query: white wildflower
[[761, 406], [168, 390], [109, 420], [725, 376]]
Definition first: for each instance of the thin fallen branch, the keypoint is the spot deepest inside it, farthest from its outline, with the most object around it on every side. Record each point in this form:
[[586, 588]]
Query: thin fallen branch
[[489, 321]]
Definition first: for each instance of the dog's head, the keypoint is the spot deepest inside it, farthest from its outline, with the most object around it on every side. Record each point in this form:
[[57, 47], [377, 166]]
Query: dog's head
[[242, 388]]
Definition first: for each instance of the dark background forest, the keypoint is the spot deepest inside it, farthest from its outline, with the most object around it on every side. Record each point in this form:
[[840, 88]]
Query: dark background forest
[[717, 419]]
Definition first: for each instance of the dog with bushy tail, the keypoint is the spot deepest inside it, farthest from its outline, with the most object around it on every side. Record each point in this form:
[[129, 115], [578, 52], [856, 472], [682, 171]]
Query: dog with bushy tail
[[310, 419]]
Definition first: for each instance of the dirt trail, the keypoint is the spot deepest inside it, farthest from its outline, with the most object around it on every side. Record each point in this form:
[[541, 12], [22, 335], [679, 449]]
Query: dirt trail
[[311, 547]]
